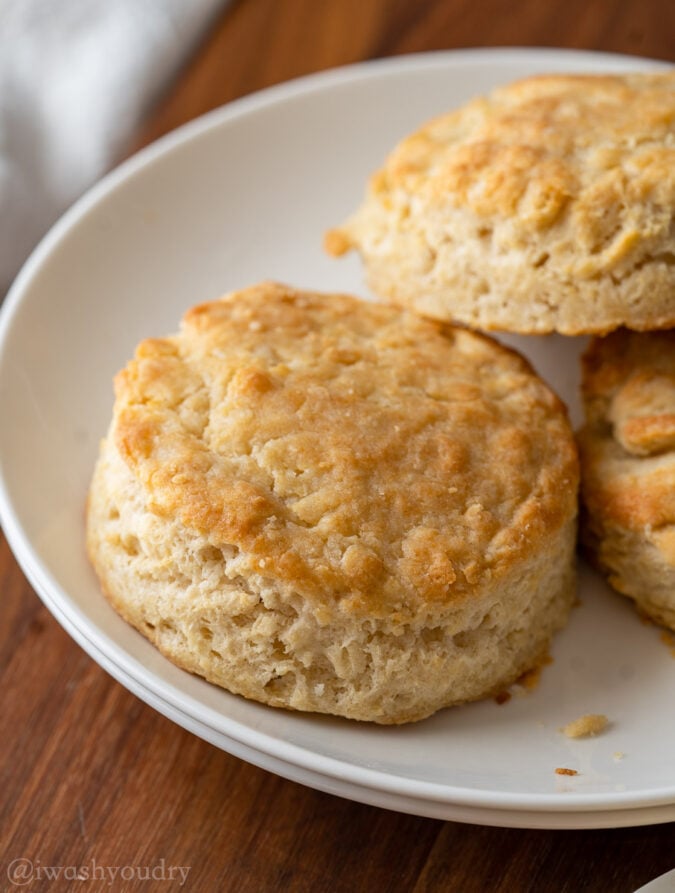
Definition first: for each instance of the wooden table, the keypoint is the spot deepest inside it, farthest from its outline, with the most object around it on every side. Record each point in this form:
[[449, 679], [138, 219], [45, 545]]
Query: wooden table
[[91, 777]]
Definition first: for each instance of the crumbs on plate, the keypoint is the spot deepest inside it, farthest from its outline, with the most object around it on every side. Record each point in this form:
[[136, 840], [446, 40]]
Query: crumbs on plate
[[586, 726], [668, 640]]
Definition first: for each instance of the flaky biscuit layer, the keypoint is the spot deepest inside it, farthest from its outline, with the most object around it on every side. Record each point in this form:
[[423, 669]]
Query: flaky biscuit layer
[[548, 205]]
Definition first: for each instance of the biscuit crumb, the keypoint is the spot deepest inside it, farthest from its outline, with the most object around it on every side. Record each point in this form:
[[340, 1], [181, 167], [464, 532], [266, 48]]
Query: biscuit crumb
[[336, 243], [668, 640], [645, 619], [618, 755], [502, 697], [530, 678], [585, 726], [561, 770]]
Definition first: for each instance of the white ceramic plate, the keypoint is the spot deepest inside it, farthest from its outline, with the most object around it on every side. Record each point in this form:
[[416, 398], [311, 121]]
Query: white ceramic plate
[[241, 195], [663, 884]]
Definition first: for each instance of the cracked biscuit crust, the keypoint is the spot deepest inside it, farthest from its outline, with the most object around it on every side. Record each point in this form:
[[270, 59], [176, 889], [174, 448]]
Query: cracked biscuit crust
[[548, 205], [628, 465], [330, 505]]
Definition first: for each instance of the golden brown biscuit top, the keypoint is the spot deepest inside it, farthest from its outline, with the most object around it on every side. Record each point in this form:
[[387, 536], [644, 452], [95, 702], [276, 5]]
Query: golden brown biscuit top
[[594, 152], [348, 449], [629, 396]]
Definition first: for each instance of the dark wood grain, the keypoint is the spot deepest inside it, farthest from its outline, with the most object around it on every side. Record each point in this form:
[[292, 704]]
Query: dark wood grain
[[91, 777], [262, 42]]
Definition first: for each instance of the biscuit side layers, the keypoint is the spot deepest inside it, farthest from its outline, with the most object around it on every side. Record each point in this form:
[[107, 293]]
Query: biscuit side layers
[[628, 466], [329, 505], [547, 206]]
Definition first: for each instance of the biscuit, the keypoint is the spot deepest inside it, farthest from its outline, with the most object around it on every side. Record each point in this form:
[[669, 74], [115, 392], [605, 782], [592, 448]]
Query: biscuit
[[546, 206], [329, 505], [628, 466]]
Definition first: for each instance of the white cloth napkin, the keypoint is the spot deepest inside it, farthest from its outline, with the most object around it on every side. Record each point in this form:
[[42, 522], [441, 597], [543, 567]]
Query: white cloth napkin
[[75, 77]]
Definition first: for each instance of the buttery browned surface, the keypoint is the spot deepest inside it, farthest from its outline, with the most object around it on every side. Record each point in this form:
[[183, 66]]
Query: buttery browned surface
[[89, 772], [629, 440], [257, 423], [629, 385], [545, 206]]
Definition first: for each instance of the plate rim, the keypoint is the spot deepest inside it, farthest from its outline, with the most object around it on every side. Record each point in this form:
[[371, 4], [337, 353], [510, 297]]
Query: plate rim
[[57, 599]]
